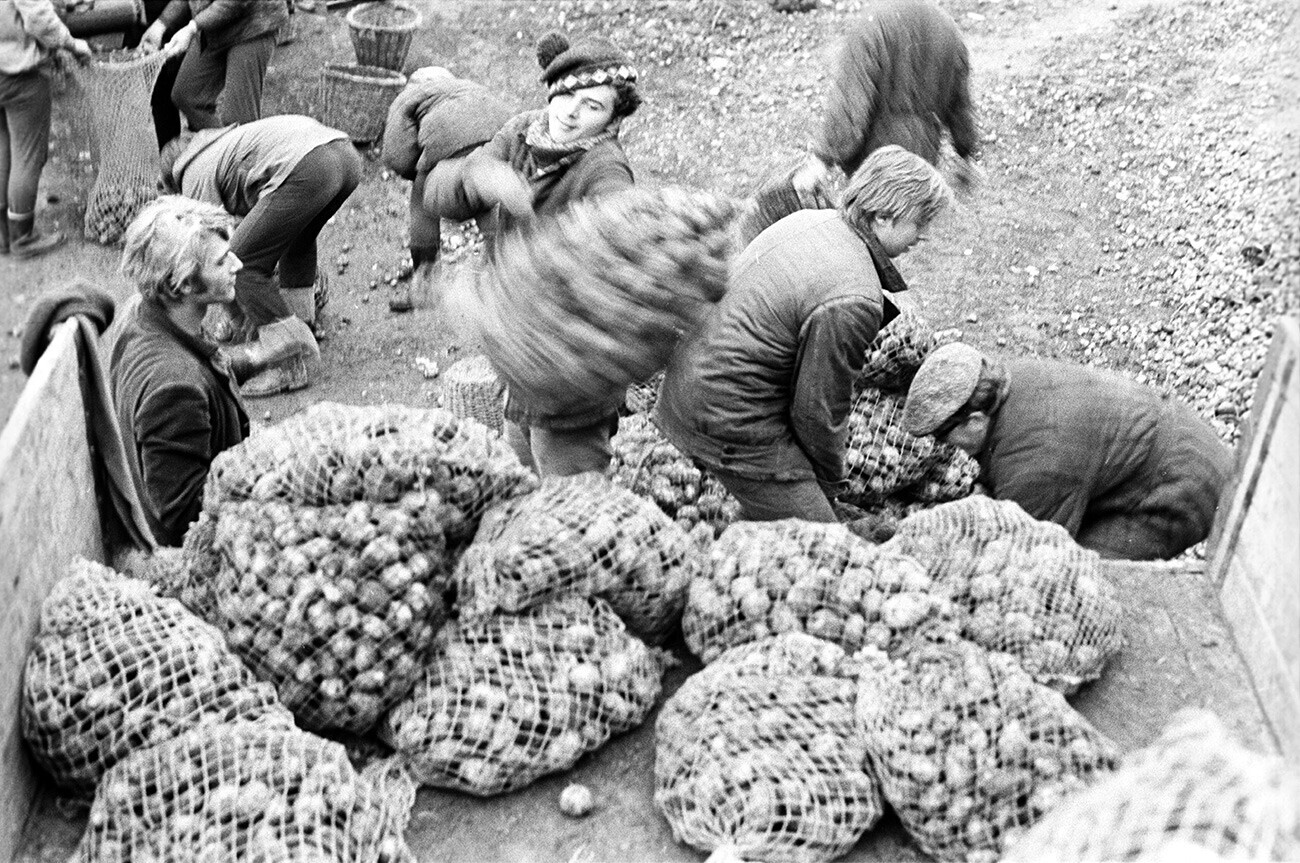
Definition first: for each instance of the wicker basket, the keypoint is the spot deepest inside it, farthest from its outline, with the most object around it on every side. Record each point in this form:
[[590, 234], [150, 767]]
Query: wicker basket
[[355, 99], [381, 32], [472, 390]]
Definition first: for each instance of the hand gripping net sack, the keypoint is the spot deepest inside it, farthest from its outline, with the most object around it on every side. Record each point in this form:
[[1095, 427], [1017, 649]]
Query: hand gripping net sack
[[769, 578], [511, 698], [580, 535], [880, 457], [969, 750], [897, 352], [335, 605], [1193, 794], [645, 462], [1024, 586], [118, 91], [246, 792], [594, 299], [760, 754], [115, 668]]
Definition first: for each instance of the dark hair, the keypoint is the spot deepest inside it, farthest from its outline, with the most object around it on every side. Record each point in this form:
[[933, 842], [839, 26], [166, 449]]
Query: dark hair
[[626, 100], [988, 389]]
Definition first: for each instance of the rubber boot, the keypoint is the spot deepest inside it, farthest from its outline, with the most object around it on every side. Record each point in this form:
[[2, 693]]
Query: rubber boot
[[276, 342], [27, 242]]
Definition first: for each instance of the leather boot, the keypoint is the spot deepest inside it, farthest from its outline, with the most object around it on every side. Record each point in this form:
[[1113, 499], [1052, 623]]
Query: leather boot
[[27, 242], [276, 342], [282, 377]]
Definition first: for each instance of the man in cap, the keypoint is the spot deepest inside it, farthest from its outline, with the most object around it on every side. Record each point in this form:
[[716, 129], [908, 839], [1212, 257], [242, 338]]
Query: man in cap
[[1129, 472]]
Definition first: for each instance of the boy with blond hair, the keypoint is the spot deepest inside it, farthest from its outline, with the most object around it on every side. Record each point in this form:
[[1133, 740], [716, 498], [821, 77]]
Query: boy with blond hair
[[760, 395]]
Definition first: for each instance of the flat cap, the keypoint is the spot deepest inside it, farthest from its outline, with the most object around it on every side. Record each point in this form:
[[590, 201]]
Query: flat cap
[[942, 385]]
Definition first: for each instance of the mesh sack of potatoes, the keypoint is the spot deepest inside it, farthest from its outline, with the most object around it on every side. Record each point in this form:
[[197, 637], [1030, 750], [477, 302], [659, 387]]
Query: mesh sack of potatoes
[[768, 578], [969, 750], [336, 605], [584, 535], [337, 454], [245, 791], [951, 475], [897, 352], [115, 668], [880, 457], [118, 87], [1023, 586], [1193, 794], [509, 698], [759, 753], [580, 306], [641, 397], [648, 464]]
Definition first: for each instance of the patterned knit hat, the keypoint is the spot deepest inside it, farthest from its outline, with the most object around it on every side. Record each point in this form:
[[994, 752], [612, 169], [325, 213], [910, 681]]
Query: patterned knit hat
[[589, 63]]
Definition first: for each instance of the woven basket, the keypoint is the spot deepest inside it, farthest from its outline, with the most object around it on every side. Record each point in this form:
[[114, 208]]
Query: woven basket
[[381, 32], [355, 99], [473, 391]]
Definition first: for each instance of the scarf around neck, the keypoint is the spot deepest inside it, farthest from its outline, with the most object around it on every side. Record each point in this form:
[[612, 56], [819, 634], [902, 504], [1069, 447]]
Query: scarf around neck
[[546, 156]]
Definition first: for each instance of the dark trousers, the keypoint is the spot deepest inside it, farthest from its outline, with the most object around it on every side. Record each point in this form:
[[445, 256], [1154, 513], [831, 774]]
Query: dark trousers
[[166, 119], [282, 227], [24, 138], [235, 74]]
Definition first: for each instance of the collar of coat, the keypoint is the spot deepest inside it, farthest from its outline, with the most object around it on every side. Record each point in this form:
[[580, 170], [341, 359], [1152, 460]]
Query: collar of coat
[[153, 314], [890, 279]]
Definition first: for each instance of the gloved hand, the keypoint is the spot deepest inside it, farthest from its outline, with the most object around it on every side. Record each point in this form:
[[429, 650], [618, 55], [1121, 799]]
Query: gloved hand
[[495, 182]]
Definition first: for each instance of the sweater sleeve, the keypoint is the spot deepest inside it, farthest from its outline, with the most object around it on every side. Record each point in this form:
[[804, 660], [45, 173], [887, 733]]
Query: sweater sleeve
[[175, 14], [401, 147], [851, 101], [223, 13], [42, 23], [174, 433], [832, 350]]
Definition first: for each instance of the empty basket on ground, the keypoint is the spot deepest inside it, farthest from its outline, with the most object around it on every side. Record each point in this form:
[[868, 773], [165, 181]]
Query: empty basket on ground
[[472, 390], [381, 32], [355, 99]]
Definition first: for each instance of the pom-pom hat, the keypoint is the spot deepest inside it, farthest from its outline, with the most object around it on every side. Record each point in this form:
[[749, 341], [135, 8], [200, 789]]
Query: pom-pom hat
[[588, 63], [942, 385]]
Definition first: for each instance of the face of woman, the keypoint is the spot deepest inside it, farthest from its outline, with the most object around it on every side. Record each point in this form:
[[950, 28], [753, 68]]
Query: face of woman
[[580, 114], [215, 280]]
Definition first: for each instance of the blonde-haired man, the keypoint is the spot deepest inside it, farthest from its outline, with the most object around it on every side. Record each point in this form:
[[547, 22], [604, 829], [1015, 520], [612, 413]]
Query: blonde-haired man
[[176, 397], [760, 395]]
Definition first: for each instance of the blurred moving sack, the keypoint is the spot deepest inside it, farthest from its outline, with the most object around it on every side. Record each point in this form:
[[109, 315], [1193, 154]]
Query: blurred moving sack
[[510, 698], [579, 306], [1023, 586], [585, 536], [245, 791], [472, 390], [116, 668], [759, 753], [793, 576], [969, 750], [1193, 794]]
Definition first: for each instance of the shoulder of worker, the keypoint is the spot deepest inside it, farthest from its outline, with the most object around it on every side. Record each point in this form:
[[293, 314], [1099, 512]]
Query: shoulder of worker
[[816, 253]]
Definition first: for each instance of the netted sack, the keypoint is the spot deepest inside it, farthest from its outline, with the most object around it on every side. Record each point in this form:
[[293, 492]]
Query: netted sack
[[336, 605], [880, 456], [969, 750], [768, 578], [337, 454], [1024, 586], [582, 535], [1193, 794], [648, 464], [759, 753], [243, 792], [951, 475], [118, 88], [471, 389], [896, 353], [594, 299], [510, 698], [115, 668], [641, 397]]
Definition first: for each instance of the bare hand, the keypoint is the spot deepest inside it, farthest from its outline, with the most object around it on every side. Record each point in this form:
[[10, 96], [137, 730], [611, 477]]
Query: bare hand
[[180, 43], [80, 49], [151, 41], [811, 183]]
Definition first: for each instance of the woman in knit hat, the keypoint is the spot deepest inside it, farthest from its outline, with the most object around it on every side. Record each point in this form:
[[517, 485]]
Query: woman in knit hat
[[538, 164]]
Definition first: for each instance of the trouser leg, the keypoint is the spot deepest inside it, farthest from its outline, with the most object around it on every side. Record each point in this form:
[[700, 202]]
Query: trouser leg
[[771, 500], [246, 64]]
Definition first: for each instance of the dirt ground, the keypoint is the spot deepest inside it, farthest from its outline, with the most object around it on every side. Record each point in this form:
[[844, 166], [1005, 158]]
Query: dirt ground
[[1046, 258]]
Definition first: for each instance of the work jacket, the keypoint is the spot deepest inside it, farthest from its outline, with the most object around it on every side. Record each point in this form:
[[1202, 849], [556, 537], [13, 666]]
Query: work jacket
[[223, 23], [763, 389], [434, 120]]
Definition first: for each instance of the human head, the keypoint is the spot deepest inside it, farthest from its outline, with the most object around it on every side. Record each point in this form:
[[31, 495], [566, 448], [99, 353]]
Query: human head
[[588, 63], [430, 73], [169, 243], [954, 395], [893, 185]]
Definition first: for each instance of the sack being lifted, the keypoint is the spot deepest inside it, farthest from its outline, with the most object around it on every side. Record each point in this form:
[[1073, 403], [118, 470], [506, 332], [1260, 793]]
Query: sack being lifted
[[116, 668], [582, 305]]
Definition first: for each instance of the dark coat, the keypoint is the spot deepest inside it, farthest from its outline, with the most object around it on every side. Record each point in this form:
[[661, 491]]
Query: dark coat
[[763, 389], [902, 78], [433, 120], [1073, 444], [178, 408], [223, 23]]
